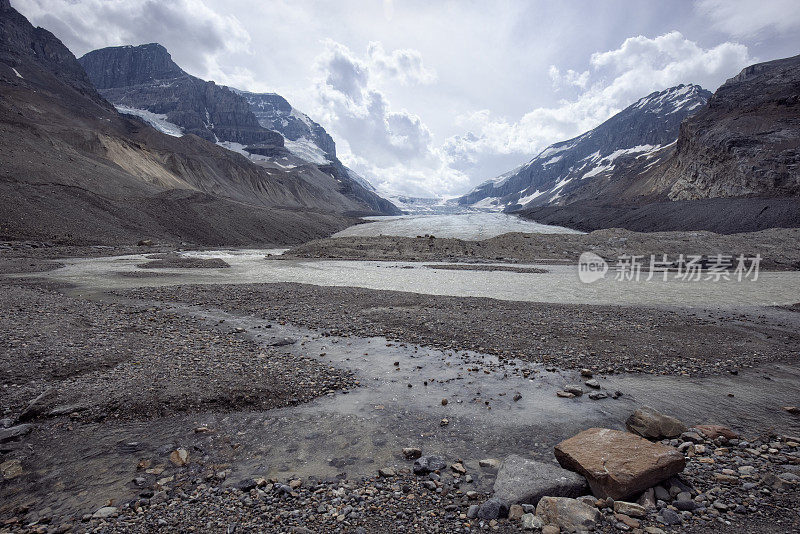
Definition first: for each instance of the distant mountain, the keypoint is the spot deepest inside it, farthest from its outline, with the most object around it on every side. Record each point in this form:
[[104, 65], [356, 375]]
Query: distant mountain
[[76, 171], [145, 78], [735, 168], [638, 137], [144, 81]]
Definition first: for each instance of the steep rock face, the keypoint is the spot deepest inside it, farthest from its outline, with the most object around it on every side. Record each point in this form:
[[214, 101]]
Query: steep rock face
[[145, 77], [746, 141], [631, 141], [276, 113]]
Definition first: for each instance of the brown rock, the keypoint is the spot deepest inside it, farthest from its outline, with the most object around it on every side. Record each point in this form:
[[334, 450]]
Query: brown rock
[[515, 512], [651, 424], [618, 464], [715, 431], [792, 409], [179, 457], [631, 522], [567, 514]]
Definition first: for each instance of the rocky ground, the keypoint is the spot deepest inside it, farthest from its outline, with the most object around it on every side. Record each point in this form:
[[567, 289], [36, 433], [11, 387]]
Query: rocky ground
[[98, 360], [136, 360], [776, 246], [611, 338]]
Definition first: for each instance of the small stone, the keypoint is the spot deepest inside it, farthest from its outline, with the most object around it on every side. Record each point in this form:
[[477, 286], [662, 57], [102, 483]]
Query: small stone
[[444, 422], [11, 469], [531, 522], [387, 472], [491, 464], [792, 409], [593, 383], [651, 424], [587, 373], [565, 395], [627, 520], [459, 468], [493, 509], [567, 514], [597, 395], [472, 512], [444, 402], [515, 512], [412, 453], [629, 509], [179, 457], [574, 389], [517, 396], [105, 512], [669, 517]]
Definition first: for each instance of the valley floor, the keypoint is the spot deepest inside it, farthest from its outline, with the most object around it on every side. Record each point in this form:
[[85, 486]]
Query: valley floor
[[272, 407]]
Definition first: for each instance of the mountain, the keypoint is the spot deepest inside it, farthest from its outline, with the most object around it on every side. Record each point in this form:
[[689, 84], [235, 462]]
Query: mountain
[[746, 142], [303, 137], [735, 168], [77, 171], [638, 137], [145, 77], [144, 81]]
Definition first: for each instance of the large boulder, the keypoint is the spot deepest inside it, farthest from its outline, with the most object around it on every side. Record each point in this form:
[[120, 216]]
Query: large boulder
[[525, 481], [651, 424], [569, 515], [618, 464]]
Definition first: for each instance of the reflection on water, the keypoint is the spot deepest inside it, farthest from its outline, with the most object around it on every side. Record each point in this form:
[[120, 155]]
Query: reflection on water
[[559, 285], [472, 226]]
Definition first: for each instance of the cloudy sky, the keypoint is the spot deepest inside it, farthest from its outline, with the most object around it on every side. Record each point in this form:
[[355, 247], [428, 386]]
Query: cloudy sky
[[433, 97]]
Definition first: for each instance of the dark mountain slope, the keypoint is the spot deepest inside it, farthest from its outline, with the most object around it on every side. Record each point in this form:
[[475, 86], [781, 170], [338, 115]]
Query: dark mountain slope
[[145, 82], [76, 170], [746, 141]]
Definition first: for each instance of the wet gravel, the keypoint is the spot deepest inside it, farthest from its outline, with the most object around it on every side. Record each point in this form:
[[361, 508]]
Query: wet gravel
[[98, 359], [608, 338]]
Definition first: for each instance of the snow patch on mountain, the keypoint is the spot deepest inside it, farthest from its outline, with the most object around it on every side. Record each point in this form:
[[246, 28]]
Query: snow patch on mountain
[[156, 120], [307, 150]]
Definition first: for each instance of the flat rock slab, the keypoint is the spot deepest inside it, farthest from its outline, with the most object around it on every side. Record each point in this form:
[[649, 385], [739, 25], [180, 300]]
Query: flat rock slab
[[618, 464], [525, 481]]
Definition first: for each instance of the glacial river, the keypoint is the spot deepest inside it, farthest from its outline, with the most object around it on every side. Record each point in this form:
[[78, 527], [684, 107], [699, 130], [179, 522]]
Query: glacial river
[[560, 284]]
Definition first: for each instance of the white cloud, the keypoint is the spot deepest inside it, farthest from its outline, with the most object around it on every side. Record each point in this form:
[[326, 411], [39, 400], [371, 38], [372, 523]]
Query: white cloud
[[568, 78], [748, 18], [195, 34], [614, 80], [403, 65], [393, 148]]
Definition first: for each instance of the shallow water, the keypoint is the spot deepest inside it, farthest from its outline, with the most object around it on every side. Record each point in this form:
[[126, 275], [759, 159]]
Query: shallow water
[[559, 285], [471, 226], [399, 404]]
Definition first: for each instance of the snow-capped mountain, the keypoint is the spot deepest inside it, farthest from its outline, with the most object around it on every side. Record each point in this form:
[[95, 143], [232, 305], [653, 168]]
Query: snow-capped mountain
[[631, 141], [303, 137]]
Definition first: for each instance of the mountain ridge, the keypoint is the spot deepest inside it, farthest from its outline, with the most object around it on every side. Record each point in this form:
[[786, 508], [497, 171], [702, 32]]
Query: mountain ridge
[[639, 135]]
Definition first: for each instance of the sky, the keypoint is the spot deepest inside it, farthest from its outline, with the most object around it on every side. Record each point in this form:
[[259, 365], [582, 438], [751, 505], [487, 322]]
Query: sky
[[430, 98]]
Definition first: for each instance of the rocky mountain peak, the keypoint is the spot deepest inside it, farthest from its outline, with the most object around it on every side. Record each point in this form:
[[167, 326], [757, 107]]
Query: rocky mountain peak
[[125, 66], [638, 135]]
